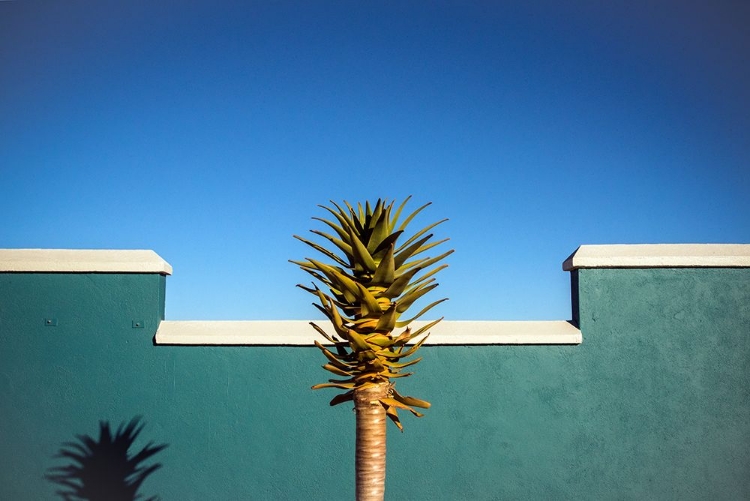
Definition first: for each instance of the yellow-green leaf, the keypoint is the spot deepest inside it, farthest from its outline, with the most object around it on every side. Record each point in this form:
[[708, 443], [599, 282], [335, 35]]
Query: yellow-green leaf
[[380, 340], [387, 322], [345, 247], [379, 229], [358, 342], [397, 365], [338, 229], [397, 215], [413, 214], [411, 296], [368, 301], [406, 253], [421, 232], [392, 402], [400, 284], [385, 274], [424, 328], [336, 359], [361, 255], [392, 414], [322, 250], [411, 400], [341, 386], [424, 310], [336, 370]]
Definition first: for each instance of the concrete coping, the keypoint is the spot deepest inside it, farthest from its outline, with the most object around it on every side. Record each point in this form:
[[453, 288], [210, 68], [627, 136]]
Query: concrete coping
[[300, 333], [660, 256], [82, 261]]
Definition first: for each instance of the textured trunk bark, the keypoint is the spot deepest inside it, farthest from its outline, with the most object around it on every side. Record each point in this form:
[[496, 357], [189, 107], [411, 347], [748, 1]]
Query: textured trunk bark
[[370, 459]]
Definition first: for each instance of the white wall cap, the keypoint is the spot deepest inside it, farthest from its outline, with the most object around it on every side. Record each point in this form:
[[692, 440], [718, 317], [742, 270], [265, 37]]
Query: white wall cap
[[300, 333], [82, 261], [660, 256]]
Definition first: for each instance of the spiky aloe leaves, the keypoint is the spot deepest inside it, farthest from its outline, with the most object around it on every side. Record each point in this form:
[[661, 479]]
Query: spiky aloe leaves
[[370, 280]]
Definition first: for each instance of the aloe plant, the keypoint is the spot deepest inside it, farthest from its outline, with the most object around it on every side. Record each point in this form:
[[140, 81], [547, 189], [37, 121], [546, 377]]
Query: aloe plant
[[371, 279]]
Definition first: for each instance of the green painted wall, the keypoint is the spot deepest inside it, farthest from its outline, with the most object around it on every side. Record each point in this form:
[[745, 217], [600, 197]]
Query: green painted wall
[[653, 405], [666, 358]]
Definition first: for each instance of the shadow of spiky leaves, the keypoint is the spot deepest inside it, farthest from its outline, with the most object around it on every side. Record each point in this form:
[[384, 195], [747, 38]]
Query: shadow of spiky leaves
[[104, 470]]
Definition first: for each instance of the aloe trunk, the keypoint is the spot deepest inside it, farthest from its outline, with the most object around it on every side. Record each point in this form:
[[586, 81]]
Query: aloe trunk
[[370, 453]]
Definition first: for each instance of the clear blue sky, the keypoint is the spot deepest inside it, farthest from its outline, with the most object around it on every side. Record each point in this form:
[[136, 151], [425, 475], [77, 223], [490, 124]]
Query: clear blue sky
[[209, 131]]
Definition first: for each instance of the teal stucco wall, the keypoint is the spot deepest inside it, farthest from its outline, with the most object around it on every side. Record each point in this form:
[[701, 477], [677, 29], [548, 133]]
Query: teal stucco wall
[[667, 369], [653, 405]]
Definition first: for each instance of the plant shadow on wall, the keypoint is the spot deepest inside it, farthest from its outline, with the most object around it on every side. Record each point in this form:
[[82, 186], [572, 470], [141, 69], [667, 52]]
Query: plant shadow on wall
[[105, 469]]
